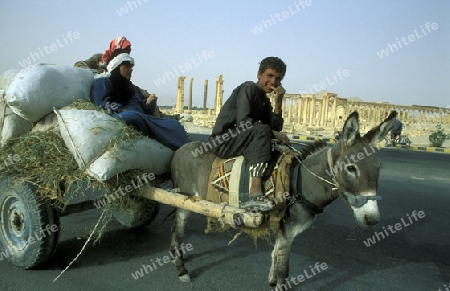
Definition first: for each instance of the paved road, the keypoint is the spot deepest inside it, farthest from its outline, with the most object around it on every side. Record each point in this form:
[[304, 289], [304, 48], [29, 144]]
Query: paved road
[[417, 257]]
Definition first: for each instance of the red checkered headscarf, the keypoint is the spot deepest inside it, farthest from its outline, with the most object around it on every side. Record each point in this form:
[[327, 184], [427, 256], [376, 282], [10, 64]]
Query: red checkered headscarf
[[118, 43]]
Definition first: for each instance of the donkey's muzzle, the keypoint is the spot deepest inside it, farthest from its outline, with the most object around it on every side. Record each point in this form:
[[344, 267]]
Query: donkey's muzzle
[[359, 200]]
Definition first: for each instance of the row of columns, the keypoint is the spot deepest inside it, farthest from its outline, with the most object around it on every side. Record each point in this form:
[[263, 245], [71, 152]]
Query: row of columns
[[308, 110], [218, 98]]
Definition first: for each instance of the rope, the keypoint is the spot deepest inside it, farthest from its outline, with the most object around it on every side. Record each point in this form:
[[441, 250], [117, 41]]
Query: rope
[[82, 249], [335, 185]]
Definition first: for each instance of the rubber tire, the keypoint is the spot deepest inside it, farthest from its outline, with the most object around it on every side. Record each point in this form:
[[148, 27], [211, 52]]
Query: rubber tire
[[139, 212], [24, 216]]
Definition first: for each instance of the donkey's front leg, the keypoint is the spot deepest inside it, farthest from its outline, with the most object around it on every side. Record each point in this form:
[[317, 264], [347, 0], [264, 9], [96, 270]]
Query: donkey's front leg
[[298, 221], [179, 223], [279, 270]]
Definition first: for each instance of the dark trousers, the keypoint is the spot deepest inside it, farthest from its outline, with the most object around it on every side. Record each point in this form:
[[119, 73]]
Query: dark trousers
[[167, 131], [253, 143]]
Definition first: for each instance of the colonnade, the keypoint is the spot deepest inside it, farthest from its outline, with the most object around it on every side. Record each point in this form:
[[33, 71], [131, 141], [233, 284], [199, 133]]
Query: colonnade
[[326, 109]]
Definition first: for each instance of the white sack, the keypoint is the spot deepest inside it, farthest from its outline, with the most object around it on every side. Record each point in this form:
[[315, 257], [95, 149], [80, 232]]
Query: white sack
[[48, 123], [87, 134], [11, 124], [145, 154], [37, 89]]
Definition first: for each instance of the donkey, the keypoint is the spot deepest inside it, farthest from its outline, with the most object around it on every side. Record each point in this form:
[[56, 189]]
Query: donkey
[[349, 169]]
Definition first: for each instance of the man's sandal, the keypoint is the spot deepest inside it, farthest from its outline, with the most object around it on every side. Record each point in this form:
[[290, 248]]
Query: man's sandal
[[257, 202]]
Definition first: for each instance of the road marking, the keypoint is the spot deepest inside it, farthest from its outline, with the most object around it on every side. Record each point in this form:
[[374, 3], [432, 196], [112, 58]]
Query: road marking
[[441, 178], [417, 178]]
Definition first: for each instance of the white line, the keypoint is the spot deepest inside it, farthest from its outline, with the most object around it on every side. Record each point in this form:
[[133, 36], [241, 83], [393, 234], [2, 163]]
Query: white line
[[440, 178], [417, 178]]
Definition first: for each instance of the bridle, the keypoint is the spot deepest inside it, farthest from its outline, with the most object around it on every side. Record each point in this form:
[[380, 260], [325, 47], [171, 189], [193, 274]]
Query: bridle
[[353, 200]]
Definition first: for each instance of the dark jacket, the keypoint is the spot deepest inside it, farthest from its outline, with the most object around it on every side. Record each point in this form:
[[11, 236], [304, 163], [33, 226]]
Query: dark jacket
[[248, 102], [397, 127]]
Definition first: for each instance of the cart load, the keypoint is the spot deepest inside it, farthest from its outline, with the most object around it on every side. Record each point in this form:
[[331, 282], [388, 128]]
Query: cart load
[[61, 155]]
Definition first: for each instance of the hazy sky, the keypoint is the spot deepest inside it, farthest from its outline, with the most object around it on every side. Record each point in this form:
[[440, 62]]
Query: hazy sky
[[390, 51]]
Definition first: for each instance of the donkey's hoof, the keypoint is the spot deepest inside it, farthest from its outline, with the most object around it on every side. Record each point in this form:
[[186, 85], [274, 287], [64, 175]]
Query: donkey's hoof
[[185, 278]]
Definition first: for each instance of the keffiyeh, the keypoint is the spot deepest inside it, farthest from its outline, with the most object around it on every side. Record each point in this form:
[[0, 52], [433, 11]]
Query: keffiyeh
[[117, 61], [120, 42]]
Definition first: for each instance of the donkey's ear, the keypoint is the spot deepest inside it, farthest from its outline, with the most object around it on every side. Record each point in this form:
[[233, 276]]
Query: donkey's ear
[[350, 133], [378, 133]]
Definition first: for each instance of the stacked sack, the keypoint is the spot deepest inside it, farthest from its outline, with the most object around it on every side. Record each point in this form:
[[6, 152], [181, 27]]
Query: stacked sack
[[37, 98], [11, 124], [88, 134], [32, 93]]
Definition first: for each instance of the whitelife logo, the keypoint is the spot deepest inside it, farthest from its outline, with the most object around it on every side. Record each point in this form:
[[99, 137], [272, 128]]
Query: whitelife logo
[[407, 40], [49, 49], [378, 236]]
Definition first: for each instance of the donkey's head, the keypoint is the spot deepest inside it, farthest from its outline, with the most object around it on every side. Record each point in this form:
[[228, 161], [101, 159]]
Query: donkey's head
[[355, 168]]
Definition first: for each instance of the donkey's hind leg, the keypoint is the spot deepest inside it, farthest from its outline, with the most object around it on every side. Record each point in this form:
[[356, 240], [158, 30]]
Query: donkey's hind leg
[[181, 218]]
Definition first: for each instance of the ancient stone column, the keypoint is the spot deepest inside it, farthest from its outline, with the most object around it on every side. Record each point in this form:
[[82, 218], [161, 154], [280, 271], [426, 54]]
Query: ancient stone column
[[295, 110], [191, 80], [299, 109], [376, 117], [219, 94], [180, 95], [333, 111], [384, 112], [205, 94], [323, 110], [320, 122], [290, 109], [408, 115], [312, 112], [305, 110]]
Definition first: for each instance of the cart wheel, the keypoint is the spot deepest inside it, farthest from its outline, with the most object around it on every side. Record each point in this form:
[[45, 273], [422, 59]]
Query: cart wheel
[[29, 226], [137, 212]]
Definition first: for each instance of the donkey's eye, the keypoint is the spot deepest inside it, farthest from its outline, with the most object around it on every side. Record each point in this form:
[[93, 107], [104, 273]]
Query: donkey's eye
[[351, 169]]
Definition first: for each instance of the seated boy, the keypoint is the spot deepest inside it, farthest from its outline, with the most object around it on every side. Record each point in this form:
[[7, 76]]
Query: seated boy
[[249, 105]]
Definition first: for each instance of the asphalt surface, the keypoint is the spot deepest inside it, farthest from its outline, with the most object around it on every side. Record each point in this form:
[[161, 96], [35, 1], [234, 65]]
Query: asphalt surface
[[416, 257]]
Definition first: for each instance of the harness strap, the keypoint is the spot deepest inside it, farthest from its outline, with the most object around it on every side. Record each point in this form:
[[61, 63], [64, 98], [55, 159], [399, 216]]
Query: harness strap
[[296, 186], [330, 166]]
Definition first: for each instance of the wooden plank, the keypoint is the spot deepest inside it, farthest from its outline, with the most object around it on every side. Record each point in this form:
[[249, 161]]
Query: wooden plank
[[228, 214]]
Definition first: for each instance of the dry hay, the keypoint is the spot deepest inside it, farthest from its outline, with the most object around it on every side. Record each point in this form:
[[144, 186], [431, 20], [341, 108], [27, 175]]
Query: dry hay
[[43, 160], [255, 234], [84, 104]]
